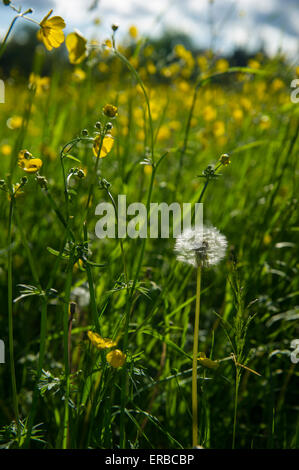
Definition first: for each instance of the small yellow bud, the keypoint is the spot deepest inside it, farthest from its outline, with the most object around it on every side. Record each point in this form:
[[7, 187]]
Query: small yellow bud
[[206, 362], [110, 110], [225, 159]]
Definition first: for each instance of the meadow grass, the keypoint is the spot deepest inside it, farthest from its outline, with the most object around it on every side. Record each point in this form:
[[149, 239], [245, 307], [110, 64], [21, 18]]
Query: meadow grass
[[59, 281]]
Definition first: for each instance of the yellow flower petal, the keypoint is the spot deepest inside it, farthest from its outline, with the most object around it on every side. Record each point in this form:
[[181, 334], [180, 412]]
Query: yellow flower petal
[[107, 145], [76, 46], [51, 33], [56, 22], [30, 166], [99, 342]]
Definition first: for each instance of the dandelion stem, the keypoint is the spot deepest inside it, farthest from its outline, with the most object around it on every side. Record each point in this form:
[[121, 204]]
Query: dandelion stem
[[194, 366]]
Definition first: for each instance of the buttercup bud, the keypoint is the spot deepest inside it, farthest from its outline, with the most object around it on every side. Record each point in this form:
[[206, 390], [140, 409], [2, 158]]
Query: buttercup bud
[[110, 110]]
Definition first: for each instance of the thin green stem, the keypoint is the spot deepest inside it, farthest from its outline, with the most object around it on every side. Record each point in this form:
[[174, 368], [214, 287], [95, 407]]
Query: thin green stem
[[27, 249], [20, 15], [237, 383], [186, 135], [59, 215], [95, 171], [194, 362], [93, 302], [68, 286], [42, 330], [3, 44], [137, 76], [120, 240], [42, 348], [41, 358], [10, 317]]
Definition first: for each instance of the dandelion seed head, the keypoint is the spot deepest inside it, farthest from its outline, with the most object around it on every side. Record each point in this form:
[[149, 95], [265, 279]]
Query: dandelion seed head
[[201, 247]]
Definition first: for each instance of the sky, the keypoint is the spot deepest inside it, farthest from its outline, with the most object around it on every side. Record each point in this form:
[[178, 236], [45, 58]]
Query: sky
[[235, 23]]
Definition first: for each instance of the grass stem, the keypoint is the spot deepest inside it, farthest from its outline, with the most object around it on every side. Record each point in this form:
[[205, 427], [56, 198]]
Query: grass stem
[[194, 364]]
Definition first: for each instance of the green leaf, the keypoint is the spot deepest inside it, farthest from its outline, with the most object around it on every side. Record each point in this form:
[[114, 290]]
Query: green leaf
[[71, 157]]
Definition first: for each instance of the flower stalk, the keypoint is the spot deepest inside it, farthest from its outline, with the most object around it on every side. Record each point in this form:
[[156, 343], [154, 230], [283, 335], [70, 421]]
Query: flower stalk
[[194, 362], [10, 317]]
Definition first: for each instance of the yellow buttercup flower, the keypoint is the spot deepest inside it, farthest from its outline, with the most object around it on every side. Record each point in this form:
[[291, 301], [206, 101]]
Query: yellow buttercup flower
[[116, 358], [50, 32], [209, 113], [5, 149], [254, 64], [99, 342], [151, 68], [148, 51], [164, 133], [225, 159], [14, 122], [103, 67], [133, 31], [267, 239], [39, 84], [238, 114], [78, 75], [218, 128], [28, 163], [76, 46], [202, 62], [108, 43], [222, 65], [107, 145], [277, 84], [180, 50], [32, 165]]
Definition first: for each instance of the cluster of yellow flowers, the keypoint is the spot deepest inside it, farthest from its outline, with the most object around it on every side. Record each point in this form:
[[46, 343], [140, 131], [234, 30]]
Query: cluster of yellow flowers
[[116, 358]]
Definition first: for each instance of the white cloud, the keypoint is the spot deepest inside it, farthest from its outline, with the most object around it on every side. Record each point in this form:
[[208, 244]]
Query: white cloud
[[272, 22]]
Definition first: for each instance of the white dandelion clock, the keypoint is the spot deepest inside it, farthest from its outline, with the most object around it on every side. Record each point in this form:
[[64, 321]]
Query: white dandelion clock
[[201, 247]]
